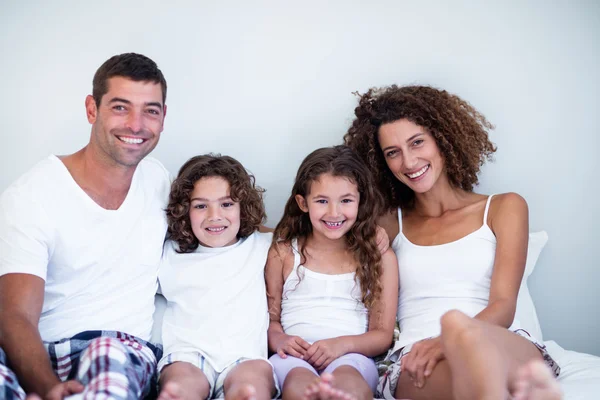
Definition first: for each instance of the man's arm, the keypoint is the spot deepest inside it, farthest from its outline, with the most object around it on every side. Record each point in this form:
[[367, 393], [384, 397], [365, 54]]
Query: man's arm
[[21, 300]]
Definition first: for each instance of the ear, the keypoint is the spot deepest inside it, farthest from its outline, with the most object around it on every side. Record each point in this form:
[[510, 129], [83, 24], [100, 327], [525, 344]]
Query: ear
[[91, 110], [301, 203]]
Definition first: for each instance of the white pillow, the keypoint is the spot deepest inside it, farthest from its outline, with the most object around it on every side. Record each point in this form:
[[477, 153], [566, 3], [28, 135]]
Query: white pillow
[[526, 314]]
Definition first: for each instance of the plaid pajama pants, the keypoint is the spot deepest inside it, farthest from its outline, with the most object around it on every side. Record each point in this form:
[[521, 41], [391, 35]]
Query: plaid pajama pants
[[111, 365]]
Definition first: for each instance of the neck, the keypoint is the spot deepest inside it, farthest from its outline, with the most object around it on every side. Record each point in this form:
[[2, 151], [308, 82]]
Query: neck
[[439, 199], [318, 241]]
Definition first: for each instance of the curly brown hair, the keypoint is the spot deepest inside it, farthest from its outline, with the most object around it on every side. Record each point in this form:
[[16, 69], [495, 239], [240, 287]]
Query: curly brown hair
[[243, 190], [460, 131], [361, 238]]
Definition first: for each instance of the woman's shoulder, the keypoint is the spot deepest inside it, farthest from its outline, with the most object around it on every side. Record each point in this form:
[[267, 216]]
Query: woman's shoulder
[[503, 205]]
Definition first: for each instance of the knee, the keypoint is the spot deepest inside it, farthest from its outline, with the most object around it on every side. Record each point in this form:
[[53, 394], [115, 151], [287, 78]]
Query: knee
[[458, 327]]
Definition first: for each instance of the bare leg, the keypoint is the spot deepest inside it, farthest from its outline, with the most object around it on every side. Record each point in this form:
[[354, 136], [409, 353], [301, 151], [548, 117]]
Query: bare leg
[[297, 381], [535, 382], [481, 362], [183, 381], [349, 380], [250, 380]]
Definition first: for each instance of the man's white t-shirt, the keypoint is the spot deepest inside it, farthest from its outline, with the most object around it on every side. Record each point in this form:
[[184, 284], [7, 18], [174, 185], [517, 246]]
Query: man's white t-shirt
[[100, 266], [217, 301]]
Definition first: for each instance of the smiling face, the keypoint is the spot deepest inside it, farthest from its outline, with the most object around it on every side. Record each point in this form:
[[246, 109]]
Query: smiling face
[[126, 126], [215, 218], [332, 205], [411, 154]]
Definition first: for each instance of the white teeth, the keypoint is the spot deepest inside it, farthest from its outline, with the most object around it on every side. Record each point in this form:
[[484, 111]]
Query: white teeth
[[418, 173], [215, 229], [130, 140], [334, 224]]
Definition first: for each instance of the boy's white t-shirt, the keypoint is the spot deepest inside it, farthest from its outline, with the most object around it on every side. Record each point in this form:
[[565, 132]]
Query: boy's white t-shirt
[[217, 301], [100, 266]]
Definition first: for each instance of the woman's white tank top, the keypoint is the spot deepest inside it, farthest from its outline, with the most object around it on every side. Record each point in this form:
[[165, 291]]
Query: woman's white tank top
[[318, 306], [436, 279]]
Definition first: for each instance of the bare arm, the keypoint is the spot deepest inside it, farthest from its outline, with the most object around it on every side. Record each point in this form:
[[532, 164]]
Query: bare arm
[[278, 340], [382, 317], [509, 220], [21, 299]]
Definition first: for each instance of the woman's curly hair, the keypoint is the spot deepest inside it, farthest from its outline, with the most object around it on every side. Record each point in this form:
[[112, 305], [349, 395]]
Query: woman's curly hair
[[460, 131], [362, 237], [243, 190]]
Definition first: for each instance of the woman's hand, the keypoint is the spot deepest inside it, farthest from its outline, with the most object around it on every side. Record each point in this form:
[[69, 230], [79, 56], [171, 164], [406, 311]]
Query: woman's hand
[[293, 345], [422, 359], [322, 352], [383, 240]]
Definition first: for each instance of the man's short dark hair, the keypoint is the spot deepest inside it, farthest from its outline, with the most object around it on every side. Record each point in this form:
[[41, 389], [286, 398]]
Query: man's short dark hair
[[133, 66]]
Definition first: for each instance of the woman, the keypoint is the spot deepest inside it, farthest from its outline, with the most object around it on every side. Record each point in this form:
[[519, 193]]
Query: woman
[[456, 249]]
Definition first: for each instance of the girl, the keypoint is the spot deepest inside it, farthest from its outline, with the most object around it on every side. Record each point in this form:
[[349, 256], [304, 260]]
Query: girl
[[332, 294], [457, 250], [212, 275]]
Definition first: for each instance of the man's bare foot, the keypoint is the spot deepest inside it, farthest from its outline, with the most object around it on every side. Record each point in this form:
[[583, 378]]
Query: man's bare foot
[[322, 389], [241, 392], [170, 391], [535, 382]]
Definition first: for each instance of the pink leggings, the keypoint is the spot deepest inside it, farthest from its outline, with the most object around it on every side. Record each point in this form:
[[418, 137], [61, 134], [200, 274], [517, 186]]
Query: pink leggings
[[364, 365]]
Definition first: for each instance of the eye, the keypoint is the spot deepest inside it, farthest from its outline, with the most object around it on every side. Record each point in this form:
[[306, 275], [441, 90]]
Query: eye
[[418, 142], [347, 201], [153, 111], [228, 204], [391, 153], [119, 108], [200, 206], [321, 201]]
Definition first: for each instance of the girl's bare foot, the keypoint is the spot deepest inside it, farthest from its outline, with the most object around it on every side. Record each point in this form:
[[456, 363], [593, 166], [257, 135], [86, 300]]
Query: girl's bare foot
[[322, 389], [535, 382]]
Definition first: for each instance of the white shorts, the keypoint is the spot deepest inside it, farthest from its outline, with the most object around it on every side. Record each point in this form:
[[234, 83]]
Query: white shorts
[[216, 379]]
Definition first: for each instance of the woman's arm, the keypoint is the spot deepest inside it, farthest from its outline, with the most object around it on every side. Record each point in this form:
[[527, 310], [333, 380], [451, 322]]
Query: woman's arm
[[509, 220], [382, 319]]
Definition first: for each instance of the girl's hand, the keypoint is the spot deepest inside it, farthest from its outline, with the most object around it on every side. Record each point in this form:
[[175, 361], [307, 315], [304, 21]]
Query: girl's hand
[[422, 359], [323, 352], [293, 345]]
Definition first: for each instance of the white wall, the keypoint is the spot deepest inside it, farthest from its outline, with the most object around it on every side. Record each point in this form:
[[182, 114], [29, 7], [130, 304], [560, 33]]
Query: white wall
[[267, 82]]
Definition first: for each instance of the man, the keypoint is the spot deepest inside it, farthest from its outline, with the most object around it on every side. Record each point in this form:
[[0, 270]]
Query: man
[[80, 241]]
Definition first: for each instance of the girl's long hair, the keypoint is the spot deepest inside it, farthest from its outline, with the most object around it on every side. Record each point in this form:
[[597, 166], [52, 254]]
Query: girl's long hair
[[361, 239]]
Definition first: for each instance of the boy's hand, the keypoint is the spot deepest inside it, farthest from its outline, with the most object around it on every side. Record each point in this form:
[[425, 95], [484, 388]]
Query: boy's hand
[[64, 389], [293, 345]]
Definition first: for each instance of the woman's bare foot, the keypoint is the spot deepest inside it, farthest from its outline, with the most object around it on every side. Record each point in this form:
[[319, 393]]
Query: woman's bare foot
[[322, 389], [241, 392], [535, 382], [170, 391]]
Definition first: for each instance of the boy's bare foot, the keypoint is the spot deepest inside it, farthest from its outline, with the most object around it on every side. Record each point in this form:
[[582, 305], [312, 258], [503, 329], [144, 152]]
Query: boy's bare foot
[[170, 391], [535, 382], [322, 389], [241, 392]]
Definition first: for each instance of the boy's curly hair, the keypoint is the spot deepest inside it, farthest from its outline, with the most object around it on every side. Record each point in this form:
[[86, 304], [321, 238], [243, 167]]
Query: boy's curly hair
[[243, 191], [460, 131], [361, 239]]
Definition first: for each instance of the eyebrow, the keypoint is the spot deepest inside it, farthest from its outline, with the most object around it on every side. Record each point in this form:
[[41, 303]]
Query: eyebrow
[[322, 196], [120, 100], [407, 140], [207, 200]]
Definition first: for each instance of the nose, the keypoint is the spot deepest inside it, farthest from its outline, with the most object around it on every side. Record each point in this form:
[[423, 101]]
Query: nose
[[410, 160], [214, 213], [134, 121], [333, 209]]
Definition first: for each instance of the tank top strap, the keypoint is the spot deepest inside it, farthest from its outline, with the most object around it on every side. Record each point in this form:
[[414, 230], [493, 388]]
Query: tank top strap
[[399, 220], [487, 208], [296, 251]]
